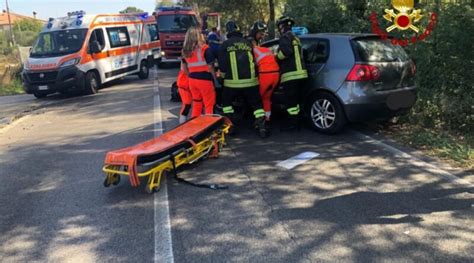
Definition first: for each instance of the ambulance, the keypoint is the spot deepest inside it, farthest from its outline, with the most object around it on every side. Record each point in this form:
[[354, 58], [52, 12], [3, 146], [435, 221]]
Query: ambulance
[[81, 52]]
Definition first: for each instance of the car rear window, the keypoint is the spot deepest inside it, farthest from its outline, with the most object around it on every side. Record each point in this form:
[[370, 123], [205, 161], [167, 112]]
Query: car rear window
[[378, 50]]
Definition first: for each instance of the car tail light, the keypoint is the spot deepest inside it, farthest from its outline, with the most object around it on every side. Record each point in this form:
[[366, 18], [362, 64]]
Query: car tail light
[[362, 72]]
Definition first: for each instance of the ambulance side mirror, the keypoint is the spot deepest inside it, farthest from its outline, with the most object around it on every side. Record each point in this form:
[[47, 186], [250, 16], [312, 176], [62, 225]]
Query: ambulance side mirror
[[95, 47]]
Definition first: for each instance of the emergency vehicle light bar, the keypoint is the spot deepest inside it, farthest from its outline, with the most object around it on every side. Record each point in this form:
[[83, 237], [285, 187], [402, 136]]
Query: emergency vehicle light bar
[[299, 30], [174, 8], [80, 13]]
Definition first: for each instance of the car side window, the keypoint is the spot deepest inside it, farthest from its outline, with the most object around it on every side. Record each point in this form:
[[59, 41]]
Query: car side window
[[316, 51], [97, 35], [118, 37]]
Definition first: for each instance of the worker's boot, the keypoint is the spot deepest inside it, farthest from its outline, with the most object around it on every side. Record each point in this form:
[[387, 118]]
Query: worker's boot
[[261, 127]]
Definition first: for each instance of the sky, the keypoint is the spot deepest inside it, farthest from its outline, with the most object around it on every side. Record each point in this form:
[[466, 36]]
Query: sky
[[56, 8]]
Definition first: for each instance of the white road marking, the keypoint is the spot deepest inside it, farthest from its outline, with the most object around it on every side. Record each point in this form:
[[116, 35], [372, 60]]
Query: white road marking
[[297, 160], [433, 169], [163, 239]]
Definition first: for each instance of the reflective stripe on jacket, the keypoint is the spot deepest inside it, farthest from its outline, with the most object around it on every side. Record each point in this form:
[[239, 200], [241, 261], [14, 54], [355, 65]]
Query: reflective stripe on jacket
[[290, 58], [197, 61], [266, 61], [237, 63]]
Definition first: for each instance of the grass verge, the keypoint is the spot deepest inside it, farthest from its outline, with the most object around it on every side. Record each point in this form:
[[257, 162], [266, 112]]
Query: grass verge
[[15, 87], [457, 149]]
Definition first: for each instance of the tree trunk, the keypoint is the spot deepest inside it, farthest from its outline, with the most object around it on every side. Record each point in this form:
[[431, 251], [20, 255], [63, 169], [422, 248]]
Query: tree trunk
[[271, 22]]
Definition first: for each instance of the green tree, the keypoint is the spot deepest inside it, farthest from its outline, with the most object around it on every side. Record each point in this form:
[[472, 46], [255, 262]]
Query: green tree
[[28, 25], [131, 9]]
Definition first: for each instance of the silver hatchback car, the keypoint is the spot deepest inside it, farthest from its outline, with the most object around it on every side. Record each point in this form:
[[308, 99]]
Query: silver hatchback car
[[352, 78]]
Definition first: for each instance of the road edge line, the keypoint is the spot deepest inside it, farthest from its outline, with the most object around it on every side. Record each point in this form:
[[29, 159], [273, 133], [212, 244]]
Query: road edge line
[[163, 248], [433, 169]]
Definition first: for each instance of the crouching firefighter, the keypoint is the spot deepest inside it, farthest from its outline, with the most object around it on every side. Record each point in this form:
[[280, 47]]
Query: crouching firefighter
[[268, 69], [240, 77], [292, 69]]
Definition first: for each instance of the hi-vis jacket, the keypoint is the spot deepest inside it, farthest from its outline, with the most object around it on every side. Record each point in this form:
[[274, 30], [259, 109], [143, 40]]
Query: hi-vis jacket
[[290, 58], [237, 63], [266, 61], [197, 61]]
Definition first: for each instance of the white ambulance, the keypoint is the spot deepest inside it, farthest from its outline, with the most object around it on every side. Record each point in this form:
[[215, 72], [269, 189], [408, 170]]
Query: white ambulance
[[81, 52]]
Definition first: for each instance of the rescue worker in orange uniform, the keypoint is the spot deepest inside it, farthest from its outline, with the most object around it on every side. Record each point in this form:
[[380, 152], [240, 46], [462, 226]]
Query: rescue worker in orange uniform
[[198, 62], [267, 66], [183, 89]]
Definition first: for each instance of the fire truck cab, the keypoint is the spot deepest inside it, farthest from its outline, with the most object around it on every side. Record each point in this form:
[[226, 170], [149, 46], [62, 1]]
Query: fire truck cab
[[173, 22]]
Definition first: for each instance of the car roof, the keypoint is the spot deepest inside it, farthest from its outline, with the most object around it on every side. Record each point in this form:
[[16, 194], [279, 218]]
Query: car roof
[[329, 36], [338, 35]]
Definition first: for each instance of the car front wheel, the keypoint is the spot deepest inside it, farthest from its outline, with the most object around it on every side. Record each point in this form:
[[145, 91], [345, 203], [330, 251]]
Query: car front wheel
[[326, 114], [144, 71]]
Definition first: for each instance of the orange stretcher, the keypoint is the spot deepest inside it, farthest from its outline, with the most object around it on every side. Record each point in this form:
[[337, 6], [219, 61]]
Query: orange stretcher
[[198, 138]]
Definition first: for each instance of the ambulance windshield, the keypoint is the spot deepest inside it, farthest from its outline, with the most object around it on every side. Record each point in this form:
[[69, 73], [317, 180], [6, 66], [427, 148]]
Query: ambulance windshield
[[176, 23], [58, 43]]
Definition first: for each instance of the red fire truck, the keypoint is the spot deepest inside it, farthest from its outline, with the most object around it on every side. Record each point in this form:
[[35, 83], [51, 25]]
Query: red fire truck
[[173, 22]]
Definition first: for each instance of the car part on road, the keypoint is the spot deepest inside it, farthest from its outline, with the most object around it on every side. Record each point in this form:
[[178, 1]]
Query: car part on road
[[92, 83], [196, 139], [144, 70], [326, 114]]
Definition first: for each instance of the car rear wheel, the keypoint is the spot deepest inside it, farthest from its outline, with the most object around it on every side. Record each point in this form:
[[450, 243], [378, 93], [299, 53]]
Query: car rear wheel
[[92, 83], [326, 114], [144, 70]]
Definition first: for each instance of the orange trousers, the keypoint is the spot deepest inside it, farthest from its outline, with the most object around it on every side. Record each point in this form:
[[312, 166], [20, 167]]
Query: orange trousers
[[203, 94], [268, 83]]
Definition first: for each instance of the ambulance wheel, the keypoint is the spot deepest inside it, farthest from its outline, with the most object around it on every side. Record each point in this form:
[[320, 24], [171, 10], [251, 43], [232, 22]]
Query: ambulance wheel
[[92, 83], [144, 70]]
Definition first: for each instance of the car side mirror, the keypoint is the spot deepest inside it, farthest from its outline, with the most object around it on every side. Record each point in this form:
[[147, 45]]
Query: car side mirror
[[95, 47]]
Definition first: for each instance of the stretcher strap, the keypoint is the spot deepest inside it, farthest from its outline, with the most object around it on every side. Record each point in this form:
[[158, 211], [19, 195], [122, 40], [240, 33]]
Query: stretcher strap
[[179, 179]]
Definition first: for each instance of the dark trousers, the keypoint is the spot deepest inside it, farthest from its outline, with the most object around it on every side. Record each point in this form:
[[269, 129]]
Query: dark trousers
[[251, 95], [292, 90]]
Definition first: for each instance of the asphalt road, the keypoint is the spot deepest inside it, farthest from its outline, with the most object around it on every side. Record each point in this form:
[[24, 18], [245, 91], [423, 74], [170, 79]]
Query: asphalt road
[[360, 200]]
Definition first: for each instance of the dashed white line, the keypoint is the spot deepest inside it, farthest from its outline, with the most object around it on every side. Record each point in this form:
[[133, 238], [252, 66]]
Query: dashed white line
[[162, 228], [433, 169]]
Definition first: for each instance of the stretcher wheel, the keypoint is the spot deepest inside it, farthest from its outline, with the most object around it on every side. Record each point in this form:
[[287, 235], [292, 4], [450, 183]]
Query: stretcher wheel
[[116, 178], [107, 182], [152, 190]]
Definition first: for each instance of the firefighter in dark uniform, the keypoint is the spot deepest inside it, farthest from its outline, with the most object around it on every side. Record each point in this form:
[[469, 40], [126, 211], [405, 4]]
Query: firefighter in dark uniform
[[293, 73], [238, 69]]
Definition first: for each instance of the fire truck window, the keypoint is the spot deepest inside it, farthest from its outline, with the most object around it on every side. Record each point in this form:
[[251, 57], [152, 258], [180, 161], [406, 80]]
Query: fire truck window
[[153, 29], [97, 35], [118, 37]]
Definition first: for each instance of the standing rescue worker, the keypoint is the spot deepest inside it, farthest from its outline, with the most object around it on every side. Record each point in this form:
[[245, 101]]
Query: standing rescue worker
[[183, 89], [198, 60], [237, 65], [292, 68], [268, 69]]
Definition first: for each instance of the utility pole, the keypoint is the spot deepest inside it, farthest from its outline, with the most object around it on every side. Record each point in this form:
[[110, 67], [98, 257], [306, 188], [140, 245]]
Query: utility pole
[[10, 23]]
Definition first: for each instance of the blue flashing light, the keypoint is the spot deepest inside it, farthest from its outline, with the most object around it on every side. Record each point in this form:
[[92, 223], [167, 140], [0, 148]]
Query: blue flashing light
[[143, 16], [300, 30], [50, 25], [78, 22]]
